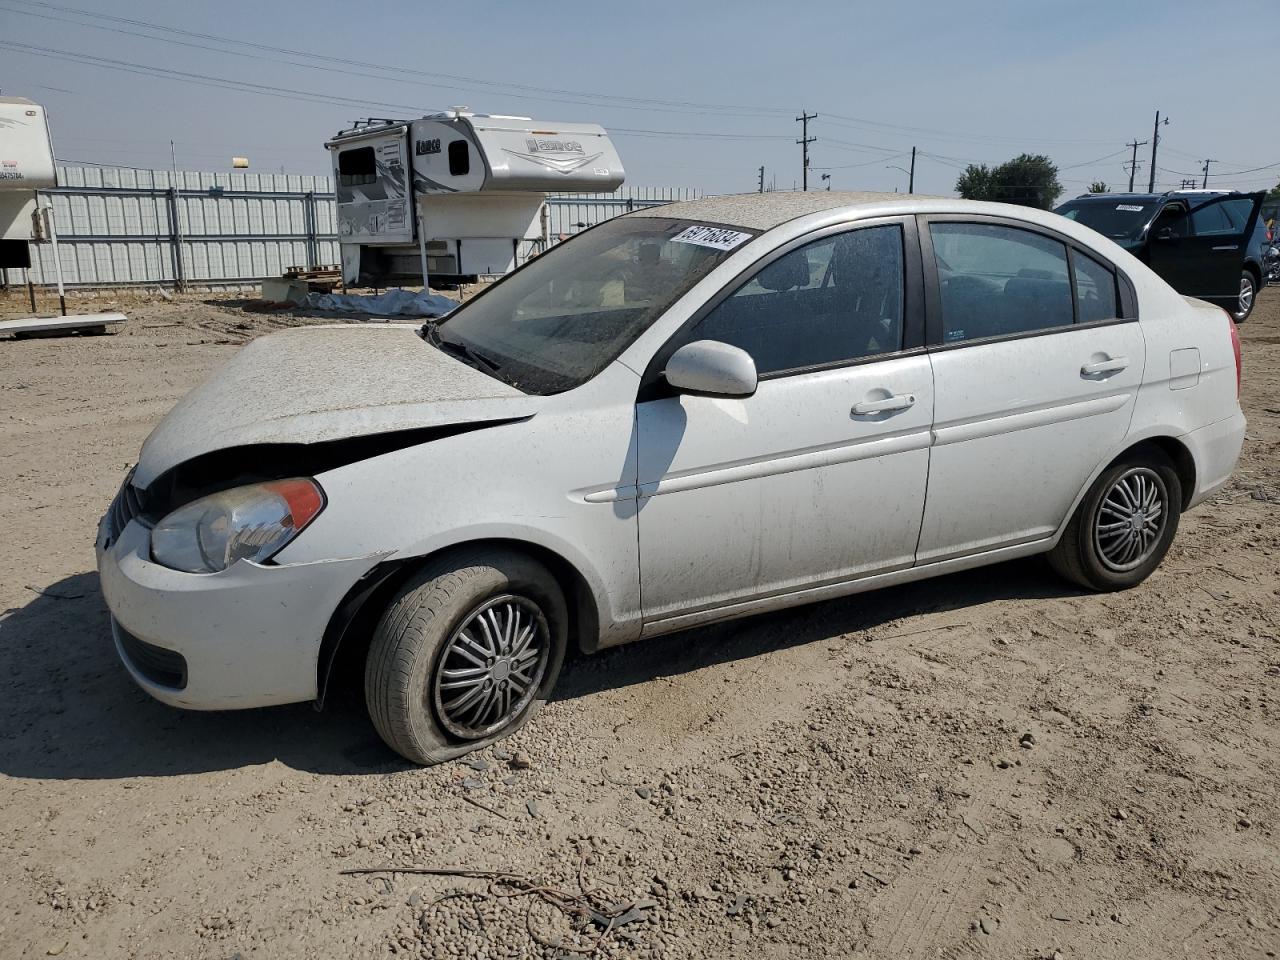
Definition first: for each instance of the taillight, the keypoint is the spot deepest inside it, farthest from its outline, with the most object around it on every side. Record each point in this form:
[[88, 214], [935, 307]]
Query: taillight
[[1235, 348]]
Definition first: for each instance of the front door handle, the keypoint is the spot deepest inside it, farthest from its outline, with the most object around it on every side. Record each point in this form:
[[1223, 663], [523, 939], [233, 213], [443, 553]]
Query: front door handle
[[901, 401], [1229, 246], [1110, 365]]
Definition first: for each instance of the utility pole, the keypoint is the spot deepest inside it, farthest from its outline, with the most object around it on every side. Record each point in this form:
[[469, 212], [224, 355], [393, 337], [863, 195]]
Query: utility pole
[[804, 142], [761, 190], [1205, 185], [1155, 145], [911, 177], [1133, 164]]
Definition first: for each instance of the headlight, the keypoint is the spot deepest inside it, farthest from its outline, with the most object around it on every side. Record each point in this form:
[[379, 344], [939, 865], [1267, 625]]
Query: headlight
[[245, 523]]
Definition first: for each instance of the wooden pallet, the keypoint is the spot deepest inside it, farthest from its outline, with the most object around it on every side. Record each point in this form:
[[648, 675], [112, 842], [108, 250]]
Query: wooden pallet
[[328, 272]]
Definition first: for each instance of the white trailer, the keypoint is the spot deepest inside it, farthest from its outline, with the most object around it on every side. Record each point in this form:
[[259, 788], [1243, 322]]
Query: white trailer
[[26, 166], [456, 195]]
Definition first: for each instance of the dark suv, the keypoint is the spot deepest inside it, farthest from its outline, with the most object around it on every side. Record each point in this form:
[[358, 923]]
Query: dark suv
[[1206, 243]]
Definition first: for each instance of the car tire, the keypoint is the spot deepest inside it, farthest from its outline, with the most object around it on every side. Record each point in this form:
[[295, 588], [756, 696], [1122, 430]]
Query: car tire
[[1248, 297], [464, 616], [1094, 550]]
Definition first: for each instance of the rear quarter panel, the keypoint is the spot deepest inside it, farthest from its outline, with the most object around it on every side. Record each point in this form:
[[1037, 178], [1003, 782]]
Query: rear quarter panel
[[1190, 379]]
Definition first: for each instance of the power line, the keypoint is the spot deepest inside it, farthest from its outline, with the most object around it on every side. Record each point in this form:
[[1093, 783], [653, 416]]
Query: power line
[[245, 86], [865, 163], [201, 79], [397, 73], [387, 72], [1085, 163], [836, 118]]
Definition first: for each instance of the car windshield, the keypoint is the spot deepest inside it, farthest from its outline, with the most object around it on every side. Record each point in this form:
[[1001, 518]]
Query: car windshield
[[1120, 219], [563, 317]]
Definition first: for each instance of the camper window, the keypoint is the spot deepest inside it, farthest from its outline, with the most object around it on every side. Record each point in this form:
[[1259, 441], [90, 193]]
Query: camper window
[[356, 167], [459, 159]]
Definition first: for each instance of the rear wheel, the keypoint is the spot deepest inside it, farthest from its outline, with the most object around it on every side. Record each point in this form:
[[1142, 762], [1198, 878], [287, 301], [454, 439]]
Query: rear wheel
[[1248, 295], [467, 651], [1125, 524]]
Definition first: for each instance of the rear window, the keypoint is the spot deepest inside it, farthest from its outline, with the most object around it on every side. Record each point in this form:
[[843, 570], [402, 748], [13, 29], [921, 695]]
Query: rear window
[[356, 167]]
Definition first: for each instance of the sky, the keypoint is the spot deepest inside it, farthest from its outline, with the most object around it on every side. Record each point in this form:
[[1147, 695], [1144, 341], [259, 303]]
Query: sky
[[699, 93]]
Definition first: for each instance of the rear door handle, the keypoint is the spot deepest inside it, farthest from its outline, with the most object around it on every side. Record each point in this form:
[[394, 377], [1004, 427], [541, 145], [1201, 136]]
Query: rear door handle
[[901, 401], [1110, 365]]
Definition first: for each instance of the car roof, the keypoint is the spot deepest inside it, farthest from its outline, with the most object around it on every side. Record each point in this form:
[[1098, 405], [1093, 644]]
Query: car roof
[[1150, 197], [764, 211]]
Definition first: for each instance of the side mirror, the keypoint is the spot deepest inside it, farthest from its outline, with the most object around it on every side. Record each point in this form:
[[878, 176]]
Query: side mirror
[[712, 368], [1166, 235]]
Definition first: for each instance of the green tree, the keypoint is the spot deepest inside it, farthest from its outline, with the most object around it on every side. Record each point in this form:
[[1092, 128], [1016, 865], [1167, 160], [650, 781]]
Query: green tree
[[1030, 180], [1274, 192], [1099, 187]]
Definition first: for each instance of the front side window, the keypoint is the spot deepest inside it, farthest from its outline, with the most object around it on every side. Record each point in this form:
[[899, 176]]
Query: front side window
[[831, 301], [562, 317], [996, 281]]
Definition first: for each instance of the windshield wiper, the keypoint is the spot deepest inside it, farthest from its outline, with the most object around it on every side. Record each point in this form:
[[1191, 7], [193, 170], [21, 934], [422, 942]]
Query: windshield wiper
[[463, 352]]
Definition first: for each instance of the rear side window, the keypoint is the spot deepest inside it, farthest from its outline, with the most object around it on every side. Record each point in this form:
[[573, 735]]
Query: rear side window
[[459, 159], [1095, 289], [996, 281], [832, 301], [1222, 217], [1211, 220]]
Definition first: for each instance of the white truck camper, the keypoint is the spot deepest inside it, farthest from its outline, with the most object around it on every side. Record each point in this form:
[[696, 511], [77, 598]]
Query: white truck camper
[[457, 196], [26, 166]]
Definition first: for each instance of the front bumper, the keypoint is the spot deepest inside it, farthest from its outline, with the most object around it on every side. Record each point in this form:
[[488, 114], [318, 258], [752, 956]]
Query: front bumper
[[248, 636]]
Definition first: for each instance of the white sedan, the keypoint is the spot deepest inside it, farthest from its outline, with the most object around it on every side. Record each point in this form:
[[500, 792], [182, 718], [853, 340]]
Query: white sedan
[[691, 413]]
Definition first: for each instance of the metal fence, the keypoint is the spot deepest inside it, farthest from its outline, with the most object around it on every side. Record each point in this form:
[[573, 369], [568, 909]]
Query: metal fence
[[122, 226]]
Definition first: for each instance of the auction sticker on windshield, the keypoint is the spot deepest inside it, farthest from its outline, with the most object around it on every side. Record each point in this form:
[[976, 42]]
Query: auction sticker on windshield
[[717, 237], [1129, 207]]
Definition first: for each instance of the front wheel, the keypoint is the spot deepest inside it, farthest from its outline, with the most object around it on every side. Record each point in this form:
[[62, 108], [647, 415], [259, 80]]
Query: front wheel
[[467, 651], [1124, 526]]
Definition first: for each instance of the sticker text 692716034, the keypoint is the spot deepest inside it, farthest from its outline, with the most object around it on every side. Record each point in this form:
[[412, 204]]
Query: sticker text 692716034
[[717, 237]]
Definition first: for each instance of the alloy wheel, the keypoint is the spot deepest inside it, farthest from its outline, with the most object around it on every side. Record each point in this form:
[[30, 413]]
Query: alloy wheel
[[1130, 519], [1245, 303], [491, 667]]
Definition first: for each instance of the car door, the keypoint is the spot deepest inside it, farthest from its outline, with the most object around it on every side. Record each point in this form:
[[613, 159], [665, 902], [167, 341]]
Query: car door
[[820, 475], [1037, 358], [1202, 253]]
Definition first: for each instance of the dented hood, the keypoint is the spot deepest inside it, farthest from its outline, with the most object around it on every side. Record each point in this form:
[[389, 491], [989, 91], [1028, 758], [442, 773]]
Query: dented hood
[[315, 384]]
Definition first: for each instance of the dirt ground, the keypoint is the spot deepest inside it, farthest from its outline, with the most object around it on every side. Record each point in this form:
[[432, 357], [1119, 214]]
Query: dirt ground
[[989, 764]]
